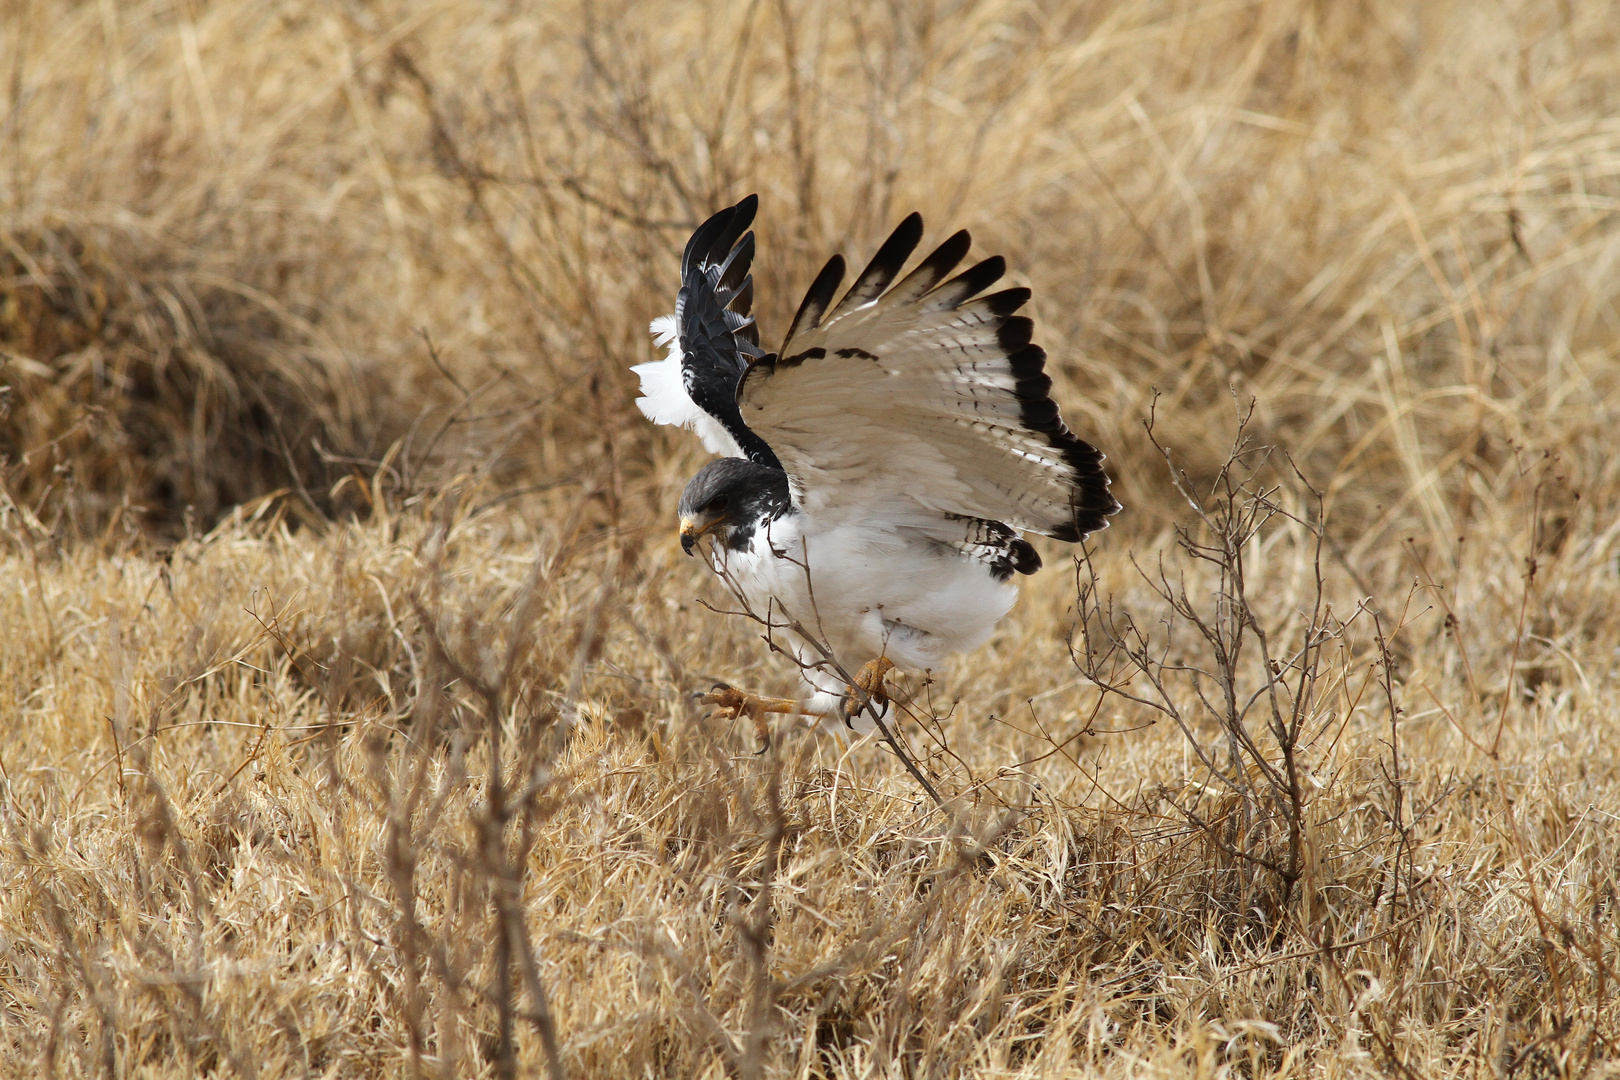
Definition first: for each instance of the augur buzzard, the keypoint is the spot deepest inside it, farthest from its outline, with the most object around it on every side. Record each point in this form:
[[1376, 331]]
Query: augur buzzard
[[880, 467]]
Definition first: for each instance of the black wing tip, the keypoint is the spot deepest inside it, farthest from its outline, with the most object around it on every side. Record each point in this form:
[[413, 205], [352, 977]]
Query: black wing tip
[[1014, 335], [817, 299], [1006, 302], [742, 216], [942, 260], [719, 233], [974, 280], [731, 267], [908, 234], [877, 278], [1090, 502], [1089, 518], [885, 264]]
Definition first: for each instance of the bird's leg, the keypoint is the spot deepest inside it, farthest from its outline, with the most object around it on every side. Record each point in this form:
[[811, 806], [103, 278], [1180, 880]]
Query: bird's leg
[[734, 702], [869, 681]]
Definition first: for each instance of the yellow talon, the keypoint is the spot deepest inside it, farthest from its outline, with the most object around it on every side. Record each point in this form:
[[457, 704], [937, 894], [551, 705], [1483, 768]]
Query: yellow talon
[[869, 681], [734, 703]]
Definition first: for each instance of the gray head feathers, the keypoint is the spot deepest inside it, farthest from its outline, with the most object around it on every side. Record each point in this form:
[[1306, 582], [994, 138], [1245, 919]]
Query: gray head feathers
[[730, 497]]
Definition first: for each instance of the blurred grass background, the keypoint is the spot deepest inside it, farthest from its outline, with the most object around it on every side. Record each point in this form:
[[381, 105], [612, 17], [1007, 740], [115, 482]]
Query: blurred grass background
[[315, 322]]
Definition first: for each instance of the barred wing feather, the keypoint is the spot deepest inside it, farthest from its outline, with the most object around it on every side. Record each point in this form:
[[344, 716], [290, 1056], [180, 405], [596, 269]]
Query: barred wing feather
[[929, 394]]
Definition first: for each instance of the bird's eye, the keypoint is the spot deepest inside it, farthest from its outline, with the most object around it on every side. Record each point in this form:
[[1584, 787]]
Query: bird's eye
[[718, 504]]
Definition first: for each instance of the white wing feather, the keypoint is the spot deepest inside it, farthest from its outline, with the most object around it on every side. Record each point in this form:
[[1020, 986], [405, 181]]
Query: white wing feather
[[664, 399]]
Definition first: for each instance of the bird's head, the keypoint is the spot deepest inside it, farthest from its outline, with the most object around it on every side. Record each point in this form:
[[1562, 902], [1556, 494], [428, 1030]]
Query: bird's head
[[726, 495]]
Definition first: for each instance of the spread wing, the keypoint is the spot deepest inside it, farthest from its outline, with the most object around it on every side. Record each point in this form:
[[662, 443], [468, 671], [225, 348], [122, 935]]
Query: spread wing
[[711, 339], [925, 394]]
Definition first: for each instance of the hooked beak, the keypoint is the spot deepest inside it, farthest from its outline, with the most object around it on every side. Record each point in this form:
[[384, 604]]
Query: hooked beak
[[689, 534], [693, 531]]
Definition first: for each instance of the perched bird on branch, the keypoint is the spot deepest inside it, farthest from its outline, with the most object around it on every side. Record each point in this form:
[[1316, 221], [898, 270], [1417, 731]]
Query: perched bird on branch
[[879, 468]]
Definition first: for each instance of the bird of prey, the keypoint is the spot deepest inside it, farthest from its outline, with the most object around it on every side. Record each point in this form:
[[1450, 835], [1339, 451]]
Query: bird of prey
[[880, 468]]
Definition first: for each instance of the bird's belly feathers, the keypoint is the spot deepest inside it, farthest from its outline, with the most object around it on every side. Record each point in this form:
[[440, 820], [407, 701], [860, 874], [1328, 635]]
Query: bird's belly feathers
[[867, 592]]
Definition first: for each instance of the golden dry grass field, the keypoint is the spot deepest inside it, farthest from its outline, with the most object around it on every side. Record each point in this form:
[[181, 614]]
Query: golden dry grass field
[[347, 656]]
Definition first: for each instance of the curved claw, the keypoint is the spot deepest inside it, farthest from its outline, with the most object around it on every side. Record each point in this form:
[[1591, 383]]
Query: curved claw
[[869, 687], [728, 698], [734, 703], [704, 697]]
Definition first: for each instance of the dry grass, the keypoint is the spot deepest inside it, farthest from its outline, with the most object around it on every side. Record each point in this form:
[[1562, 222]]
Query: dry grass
[[345, 722]]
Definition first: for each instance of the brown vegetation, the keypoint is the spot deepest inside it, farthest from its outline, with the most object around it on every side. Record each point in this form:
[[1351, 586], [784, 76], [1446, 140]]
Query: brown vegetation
[[346, 653]]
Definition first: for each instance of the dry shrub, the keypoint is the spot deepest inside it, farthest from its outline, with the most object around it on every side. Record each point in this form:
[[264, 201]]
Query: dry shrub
[[1249, 686]]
